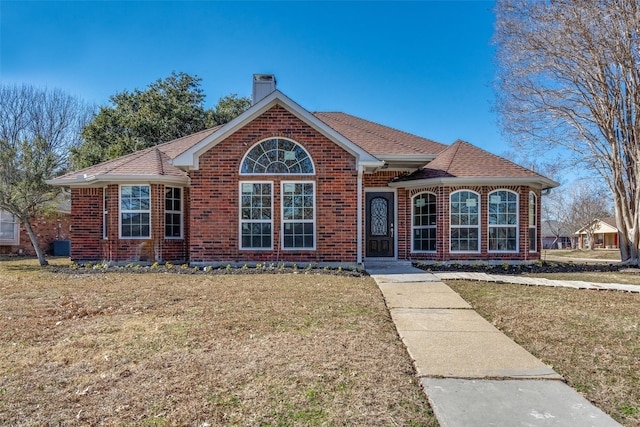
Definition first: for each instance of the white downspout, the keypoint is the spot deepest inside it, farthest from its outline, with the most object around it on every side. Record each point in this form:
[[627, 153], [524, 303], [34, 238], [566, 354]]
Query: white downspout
[[359, 215]]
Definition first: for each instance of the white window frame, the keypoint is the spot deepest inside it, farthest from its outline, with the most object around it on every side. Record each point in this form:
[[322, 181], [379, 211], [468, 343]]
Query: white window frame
[[105, 214], [244, 159], [516, 226], [533, 226], [122, 211], [283, 222], [421, 227], [16, 229], [179, 212], [478, 226], [242, 221]]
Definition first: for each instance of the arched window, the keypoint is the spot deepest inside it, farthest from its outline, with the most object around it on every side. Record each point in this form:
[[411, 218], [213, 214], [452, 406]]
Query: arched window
[[533, 222], [465, 221], [277, 156], [503, 221], [423, 222]]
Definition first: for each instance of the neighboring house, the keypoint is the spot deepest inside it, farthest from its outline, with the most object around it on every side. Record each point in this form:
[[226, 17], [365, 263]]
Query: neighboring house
[[605, 234], [281, 184], [49, 228], [556, 235]]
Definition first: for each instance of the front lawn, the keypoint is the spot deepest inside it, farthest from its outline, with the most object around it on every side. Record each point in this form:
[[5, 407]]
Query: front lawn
[[592, 338], [169, 349], [596, 254]]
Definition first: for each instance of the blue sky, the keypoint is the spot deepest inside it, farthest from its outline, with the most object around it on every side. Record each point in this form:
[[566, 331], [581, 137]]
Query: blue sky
[[422, 67]]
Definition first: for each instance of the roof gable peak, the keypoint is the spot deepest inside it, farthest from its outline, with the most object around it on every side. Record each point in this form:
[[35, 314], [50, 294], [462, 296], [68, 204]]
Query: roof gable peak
[[190, 157]]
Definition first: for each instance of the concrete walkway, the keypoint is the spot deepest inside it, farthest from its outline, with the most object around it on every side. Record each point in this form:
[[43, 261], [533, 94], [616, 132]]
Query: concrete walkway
[[536, 281], [473, 374]]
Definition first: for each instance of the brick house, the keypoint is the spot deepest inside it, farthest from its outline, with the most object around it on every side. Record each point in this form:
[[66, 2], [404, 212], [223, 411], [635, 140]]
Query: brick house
[[49, 228], [281, 184]]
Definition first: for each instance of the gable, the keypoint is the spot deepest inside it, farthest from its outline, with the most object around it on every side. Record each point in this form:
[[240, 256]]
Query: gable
[[275, 126], [600, 226], [191, 157]]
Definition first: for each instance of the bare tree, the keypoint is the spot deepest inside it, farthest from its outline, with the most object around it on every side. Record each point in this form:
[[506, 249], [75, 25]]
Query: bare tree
[[573, 207], [28, 112], [37, 128], [569, 77], [587, 203]]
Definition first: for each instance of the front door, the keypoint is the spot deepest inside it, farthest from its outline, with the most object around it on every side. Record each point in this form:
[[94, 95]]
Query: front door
[[380, 215]]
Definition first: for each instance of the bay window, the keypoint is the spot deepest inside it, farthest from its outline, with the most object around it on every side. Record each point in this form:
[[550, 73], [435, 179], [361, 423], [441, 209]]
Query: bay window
[[533, 220], [173, 213], [135, 211], [503, 221], [465, 221], [424, 223]]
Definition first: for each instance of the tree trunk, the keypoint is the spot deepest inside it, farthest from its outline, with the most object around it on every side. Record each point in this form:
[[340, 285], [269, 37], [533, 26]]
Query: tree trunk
[[628, 227], [34, 242]]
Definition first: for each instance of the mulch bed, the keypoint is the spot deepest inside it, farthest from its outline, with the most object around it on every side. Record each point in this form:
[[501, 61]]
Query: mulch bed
[[190, 270]]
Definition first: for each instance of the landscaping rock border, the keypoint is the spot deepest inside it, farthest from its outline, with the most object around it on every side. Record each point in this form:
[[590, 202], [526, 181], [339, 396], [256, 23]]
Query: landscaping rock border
[[534, 268]]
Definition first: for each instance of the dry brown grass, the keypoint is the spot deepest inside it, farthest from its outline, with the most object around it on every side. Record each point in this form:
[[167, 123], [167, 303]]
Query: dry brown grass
[[603, 277], [592, 338], [601, 254], [166, 349]]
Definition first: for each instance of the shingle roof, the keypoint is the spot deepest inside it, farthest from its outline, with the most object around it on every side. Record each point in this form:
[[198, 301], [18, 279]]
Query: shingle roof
[[459, 160], [150, 161], [463, 160], [378, 139], [610, 221]]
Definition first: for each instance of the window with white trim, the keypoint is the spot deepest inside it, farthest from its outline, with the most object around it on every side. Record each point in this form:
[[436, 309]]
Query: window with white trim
[[277, 156], [298, 214], [173, 213], [424, 222], [503, 221], [9, 229], [135, 211], [465, 221], [105, 224], [533, 220], [256, 215]]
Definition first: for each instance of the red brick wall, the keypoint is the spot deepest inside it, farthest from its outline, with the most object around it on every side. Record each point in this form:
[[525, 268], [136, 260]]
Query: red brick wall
[[211, 208], [442, 228], [403, 228], [214, 229], [50, 227], [86, 224], [87, 239]]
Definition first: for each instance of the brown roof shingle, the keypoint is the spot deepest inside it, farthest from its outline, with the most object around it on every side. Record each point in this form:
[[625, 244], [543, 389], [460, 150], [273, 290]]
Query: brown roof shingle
[[378, 139], [150, 161], [463, 160]]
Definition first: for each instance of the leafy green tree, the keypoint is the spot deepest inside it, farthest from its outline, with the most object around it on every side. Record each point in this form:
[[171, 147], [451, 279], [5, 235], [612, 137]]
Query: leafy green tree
[[166, 110], [228, 108], [569, 78]]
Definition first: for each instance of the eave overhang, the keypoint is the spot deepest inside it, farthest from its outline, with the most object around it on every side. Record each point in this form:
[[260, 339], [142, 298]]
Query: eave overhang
[[405, 161], [88, 181], [541, 182]]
